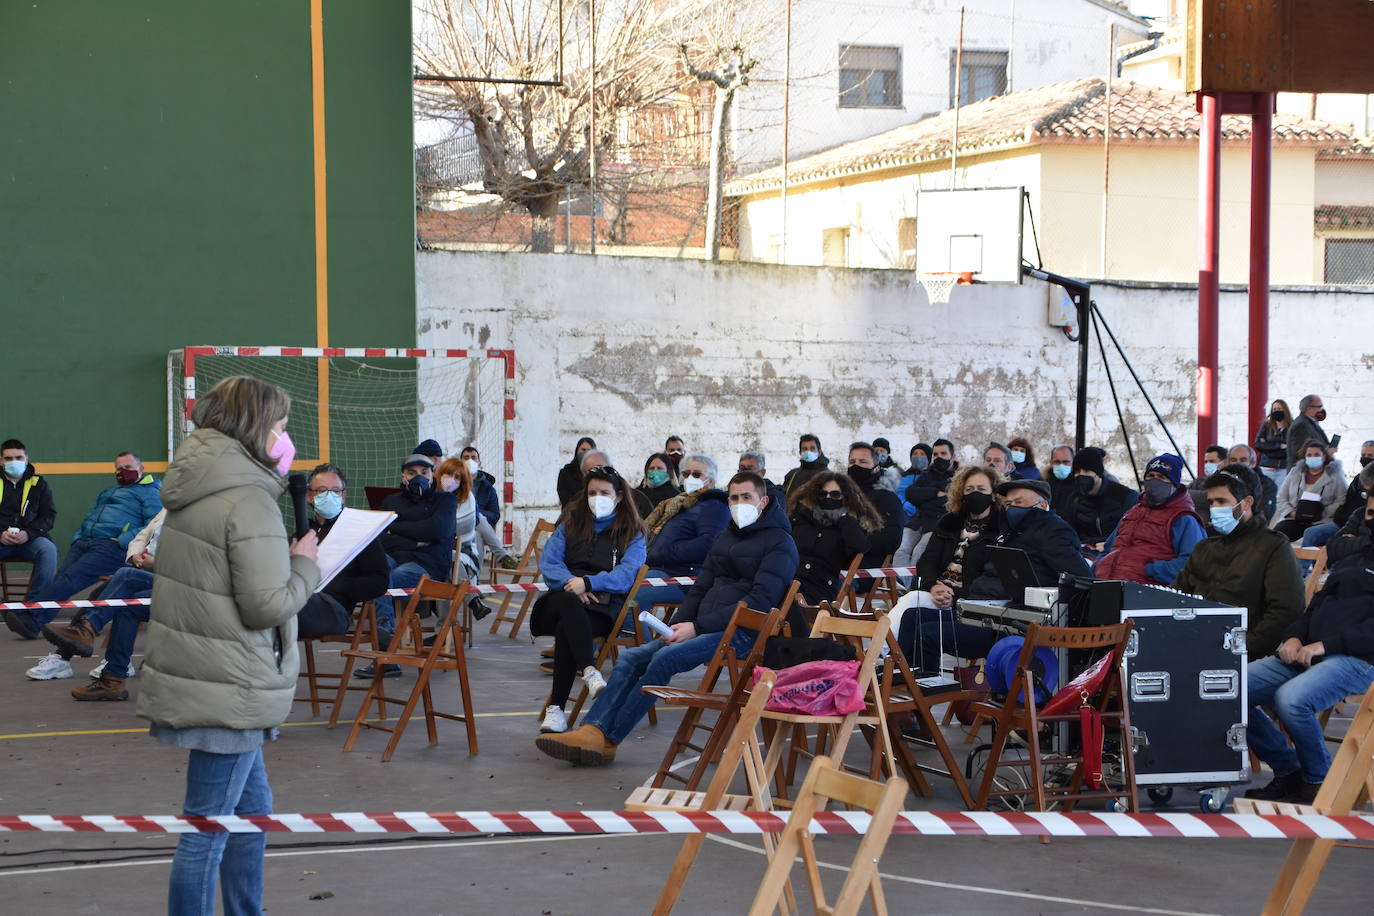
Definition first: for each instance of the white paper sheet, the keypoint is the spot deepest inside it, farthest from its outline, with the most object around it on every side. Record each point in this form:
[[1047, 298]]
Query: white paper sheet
[[353, 530]]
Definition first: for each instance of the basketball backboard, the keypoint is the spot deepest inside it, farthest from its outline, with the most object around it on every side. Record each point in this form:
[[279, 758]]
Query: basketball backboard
[[972, 230]]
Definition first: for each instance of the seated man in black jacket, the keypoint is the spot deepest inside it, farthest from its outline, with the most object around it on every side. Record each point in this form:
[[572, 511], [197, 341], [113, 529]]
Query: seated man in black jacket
[[420, 540], [753, 560], [883, 543], [328, 611], [1099, 503], [1326, 655], [1027, 523]]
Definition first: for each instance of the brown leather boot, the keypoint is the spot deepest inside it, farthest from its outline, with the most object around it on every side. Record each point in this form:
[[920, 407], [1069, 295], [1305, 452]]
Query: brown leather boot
[[104, 687], [78, 637], [585, 744]]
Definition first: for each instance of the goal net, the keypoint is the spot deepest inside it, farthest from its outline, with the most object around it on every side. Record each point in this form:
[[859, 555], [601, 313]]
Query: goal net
[[366, 409]]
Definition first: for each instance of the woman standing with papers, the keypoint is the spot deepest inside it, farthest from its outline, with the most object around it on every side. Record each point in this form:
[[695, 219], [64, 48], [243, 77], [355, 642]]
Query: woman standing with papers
[[221, 664]]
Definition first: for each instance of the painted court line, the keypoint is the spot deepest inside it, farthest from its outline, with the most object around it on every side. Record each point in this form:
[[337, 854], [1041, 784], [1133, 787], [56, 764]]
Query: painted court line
[[144, 730]]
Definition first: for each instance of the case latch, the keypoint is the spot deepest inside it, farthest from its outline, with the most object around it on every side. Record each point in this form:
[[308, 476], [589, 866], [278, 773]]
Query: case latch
[[1234, 641], [1133, 644], [1235, 738]]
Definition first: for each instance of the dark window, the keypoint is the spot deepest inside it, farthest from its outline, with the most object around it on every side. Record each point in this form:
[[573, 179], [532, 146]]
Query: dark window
[[870, 77], [1349, 261], [982, 74]]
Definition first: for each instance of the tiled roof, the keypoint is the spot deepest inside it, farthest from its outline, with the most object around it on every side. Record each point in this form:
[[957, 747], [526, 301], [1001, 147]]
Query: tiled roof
[[1362, 148], [1340, 216], [1060, 113]]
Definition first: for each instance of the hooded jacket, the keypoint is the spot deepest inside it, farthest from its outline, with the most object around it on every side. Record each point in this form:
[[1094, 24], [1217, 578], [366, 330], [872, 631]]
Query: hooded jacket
[[1254, 568], [754, 565], [221, 649], [121, 512], [681, 545], [28, 505]]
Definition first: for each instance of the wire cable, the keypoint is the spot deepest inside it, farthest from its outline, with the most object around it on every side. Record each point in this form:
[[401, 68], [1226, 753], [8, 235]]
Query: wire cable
[[1111, 384]]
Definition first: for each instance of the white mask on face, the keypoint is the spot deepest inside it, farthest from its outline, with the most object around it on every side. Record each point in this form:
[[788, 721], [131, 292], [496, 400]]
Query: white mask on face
[[692, 484], [601, 506], [473, 466], [744, 514]]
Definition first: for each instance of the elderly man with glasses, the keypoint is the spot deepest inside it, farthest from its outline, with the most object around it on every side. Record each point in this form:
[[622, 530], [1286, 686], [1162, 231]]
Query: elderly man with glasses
[[682, 530]]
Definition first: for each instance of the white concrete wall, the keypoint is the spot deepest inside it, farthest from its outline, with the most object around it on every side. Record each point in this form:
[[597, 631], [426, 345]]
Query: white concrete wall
[[736, 355], [1053, 40]]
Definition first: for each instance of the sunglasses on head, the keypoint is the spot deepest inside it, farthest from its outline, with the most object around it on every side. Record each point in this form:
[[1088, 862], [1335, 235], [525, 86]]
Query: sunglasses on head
[[602, 472]]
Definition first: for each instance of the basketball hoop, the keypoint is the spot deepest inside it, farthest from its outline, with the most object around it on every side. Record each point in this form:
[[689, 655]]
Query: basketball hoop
[[940, 285]]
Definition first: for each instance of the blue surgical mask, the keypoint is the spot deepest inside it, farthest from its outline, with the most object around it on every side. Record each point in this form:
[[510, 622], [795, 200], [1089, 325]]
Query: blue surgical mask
[[16, 468], [920, 463], [810, 456], [328, 505], [1018, 457], [1313, 462], [1062, 471], [1209, 468], [1224, 519]]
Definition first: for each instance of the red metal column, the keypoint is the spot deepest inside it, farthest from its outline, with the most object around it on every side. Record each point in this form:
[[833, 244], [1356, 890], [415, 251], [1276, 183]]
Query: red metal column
[[1261, 178], [1208, 277]]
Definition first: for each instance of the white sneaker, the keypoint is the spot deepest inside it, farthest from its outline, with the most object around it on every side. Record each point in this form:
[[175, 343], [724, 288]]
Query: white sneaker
[[594, 681], [50, 669], [100, 669], [555, 720]]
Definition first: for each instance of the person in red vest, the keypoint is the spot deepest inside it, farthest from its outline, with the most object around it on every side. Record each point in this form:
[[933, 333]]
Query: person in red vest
[[1152, 542]]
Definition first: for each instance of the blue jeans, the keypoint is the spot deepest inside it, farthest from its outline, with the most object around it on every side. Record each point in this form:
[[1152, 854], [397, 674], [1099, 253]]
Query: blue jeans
[[1318, 535], [404, 575], [127, 582], [925, 630], [87, 560], [42, 553], [622, 704], [221, 784], [1297, 695], [649, 595]]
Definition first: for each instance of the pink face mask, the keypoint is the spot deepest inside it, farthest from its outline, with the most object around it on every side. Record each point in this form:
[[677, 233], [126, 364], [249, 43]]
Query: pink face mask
[[284, 450], [449, 485]]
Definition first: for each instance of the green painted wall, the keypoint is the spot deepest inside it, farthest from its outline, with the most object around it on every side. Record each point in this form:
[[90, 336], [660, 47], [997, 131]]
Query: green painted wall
[[156, 190]]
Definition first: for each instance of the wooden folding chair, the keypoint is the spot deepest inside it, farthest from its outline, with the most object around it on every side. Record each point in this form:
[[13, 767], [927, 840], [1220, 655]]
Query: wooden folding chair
[[870, 632], [1348, 785], [705, 699], [608, 648], [824, 783], [845, 599], [741, 748], [315, 679], [408, 650], [884, 590], [1317, 555], [526, 572], [1020, 713], [364, 630], [13, 588]]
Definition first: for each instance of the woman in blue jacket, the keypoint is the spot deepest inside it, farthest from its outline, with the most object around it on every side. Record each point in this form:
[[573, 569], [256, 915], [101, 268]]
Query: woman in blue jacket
[[589, 564]]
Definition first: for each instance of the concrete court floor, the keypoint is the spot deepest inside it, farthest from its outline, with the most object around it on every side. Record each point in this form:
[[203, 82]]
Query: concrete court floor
[[65, 757]]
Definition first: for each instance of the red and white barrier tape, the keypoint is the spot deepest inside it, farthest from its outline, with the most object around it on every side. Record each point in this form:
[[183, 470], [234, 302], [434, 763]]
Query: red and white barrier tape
[[877, 573], [924, 823]]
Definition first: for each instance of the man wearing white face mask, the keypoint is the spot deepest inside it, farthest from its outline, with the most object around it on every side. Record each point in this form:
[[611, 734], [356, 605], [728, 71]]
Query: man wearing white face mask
[[1245, 564], [753, 560], [484, 486], [682, 530]]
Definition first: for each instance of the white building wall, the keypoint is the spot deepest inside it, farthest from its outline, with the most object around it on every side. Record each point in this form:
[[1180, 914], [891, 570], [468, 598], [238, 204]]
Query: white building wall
[[1053, 41], [736, 355]]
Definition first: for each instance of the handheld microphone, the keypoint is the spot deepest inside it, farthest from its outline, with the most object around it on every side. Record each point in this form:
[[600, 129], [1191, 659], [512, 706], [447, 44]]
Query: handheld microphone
[[296, 485]]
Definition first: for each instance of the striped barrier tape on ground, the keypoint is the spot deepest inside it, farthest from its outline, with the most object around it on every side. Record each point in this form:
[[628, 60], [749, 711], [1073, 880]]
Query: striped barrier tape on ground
[[876, 573], [1176, 825]]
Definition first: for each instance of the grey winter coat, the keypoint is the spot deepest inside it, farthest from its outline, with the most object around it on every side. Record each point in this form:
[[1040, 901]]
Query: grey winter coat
[[221, 648], [1330, 486]]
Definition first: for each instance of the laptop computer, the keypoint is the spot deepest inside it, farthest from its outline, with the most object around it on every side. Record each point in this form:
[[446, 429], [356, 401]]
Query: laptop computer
[[1015, 570]]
